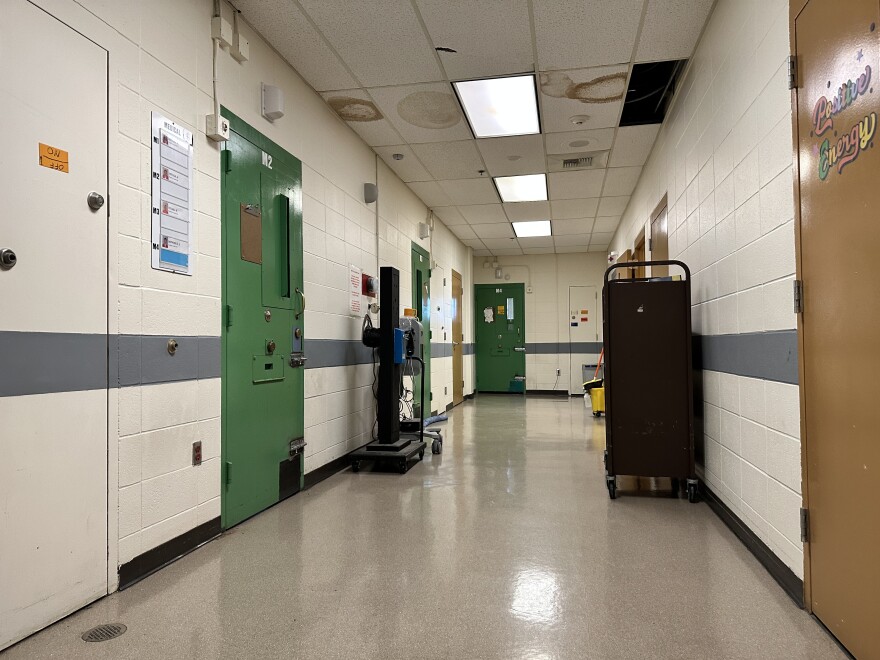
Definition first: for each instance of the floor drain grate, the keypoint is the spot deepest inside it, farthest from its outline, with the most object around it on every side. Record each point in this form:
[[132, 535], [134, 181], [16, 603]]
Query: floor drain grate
[[104, 632]]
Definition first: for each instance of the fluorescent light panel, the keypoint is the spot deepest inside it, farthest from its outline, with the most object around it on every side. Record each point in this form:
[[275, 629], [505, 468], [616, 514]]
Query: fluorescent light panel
[[532, 228], [524, 188], [500, 106]]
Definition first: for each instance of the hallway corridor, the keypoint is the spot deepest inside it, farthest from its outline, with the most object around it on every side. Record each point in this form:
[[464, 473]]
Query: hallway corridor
[[505, 546]]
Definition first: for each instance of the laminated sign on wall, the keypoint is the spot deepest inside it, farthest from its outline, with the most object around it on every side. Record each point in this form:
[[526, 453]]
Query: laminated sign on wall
[[172, 197]]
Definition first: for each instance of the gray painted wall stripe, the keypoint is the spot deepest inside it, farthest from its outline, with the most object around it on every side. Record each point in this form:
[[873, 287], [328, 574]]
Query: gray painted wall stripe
[[336, 353], [547, 348], [144, 359], [767, 355], [44, 362]]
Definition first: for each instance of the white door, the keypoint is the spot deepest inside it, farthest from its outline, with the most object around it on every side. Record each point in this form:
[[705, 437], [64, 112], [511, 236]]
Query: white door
[[582, 333], [53, 321]]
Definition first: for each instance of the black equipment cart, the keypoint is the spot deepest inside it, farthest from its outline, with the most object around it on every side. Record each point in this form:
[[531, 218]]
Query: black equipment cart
[[648, 380]]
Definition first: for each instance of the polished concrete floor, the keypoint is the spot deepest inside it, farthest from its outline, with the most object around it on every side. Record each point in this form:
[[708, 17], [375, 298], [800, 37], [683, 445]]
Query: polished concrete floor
[[506, 546]]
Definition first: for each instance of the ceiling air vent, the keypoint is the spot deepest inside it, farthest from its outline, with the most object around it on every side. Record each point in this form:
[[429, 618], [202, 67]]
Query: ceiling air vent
[[570, 163]]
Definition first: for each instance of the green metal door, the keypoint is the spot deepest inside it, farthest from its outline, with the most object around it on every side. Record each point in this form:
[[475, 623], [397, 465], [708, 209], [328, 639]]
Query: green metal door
[[500, 337], [262, 380], [421, 293]]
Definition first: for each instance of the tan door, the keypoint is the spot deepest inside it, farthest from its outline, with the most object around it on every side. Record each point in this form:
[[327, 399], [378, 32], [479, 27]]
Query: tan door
[[53, 302], [457, 341], [639, 255], [838, 98], [659, 242]]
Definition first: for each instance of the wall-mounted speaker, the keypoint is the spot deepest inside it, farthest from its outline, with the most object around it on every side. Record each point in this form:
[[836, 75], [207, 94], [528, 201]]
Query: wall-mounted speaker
[[272, 102], [371, 192]]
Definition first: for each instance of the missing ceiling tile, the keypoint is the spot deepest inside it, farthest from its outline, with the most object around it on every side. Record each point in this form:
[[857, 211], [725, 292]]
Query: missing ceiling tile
[[651, 88]]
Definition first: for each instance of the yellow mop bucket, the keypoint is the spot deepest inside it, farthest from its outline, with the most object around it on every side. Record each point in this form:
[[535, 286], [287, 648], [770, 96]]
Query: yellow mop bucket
[[597, 400]]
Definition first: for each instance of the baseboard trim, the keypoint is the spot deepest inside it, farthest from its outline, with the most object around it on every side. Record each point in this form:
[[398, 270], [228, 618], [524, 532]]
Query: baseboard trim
[[147, 563], [318, 475], [790, 583], [548, 392]]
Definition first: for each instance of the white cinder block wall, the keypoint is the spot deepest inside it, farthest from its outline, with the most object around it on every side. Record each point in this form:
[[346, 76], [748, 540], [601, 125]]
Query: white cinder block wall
[[547, 307], [724, 157], [165, 65]]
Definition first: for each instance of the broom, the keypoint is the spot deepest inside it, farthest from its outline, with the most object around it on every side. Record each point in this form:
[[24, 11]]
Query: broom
[[596, 381]]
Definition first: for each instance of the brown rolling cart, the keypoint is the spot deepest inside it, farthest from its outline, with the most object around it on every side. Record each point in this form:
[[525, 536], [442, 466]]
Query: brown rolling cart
[[649, 404]]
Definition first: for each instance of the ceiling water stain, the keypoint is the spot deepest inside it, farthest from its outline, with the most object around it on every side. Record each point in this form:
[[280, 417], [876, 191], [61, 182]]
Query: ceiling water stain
[[352, 109], [603, 89], [429, 110]]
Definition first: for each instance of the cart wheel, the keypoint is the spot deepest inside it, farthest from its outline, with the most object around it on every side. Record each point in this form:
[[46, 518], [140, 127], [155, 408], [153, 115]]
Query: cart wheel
[[436, 447], [355, 466], [612, 488], [402, 467], [421, 454], [693, 494], [596, 414]]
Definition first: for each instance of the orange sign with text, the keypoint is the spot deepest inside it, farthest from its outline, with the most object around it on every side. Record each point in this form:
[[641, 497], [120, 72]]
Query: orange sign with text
[[54, 158]]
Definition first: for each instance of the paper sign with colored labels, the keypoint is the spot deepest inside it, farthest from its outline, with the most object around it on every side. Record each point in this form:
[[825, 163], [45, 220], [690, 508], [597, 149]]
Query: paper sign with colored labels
[[54, 158]]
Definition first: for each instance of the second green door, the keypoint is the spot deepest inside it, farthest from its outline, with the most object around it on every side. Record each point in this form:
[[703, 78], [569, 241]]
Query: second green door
[[500, 334]]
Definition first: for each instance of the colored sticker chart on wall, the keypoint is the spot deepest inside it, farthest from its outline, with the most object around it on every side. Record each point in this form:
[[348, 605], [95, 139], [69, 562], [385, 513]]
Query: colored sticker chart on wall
[[172, 197], [839, 146], [54, 158]]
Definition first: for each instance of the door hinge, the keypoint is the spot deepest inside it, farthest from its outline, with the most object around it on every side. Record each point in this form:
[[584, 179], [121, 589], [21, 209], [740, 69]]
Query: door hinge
[[650, 245], [227, 315], [227, 160], [792, 72], [227, 473], [805, 525], [798, 294]]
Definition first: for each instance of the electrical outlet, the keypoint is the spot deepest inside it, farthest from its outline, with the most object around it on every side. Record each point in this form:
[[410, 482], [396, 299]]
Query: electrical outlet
[[559, 372], [197, 453]]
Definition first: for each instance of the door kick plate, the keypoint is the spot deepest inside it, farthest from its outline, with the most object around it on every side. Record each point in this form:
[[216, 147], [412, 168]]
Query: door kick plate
[[268, 368]]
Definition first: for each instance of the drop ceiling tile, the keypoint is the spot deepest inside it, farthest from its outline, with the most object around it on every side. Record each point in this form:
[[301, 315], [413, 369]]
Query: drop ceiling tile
[[463, 232], [527, 151], [500, 243], [543, 250], [606, 224], [409, 168], [507, 252], [494, 230], [483, 213], [601, 238], [598, 248], [612, 206], [382, 45], [576, 185], [536, 241], [575, 33], [476, 243], [520, 211], [599, 139], [621, 181], [572, 239], [285, 27], [492, 38], [449, 215], [451, 160], [633, 144], [595, 94], [423, 113], [563, 209], [571, 227], [568, 249], [431, 193], [671, 29], [470, 191], [356, 108], [482, 253]]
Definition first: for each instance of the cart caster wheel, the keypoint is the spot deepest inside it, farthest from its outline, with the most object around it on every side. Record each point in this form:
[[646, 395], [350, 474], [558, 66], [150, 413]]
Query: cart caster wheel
[[693, 494], [356, 466], [612, 488], [402, 467], [421, 454], [436, 447]]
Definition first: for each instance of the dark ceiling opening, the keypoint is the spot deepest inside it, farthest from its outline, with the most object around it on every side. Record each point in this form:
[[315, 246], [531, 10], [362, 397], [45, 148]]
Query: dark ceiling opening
[[651, 88]]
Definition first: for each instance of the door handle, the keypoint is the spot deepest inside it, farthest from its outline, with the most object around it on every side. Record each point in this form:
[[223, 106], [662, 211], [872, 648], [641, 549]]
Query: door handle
[[303, 298], [455, 343], [521, 349]]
